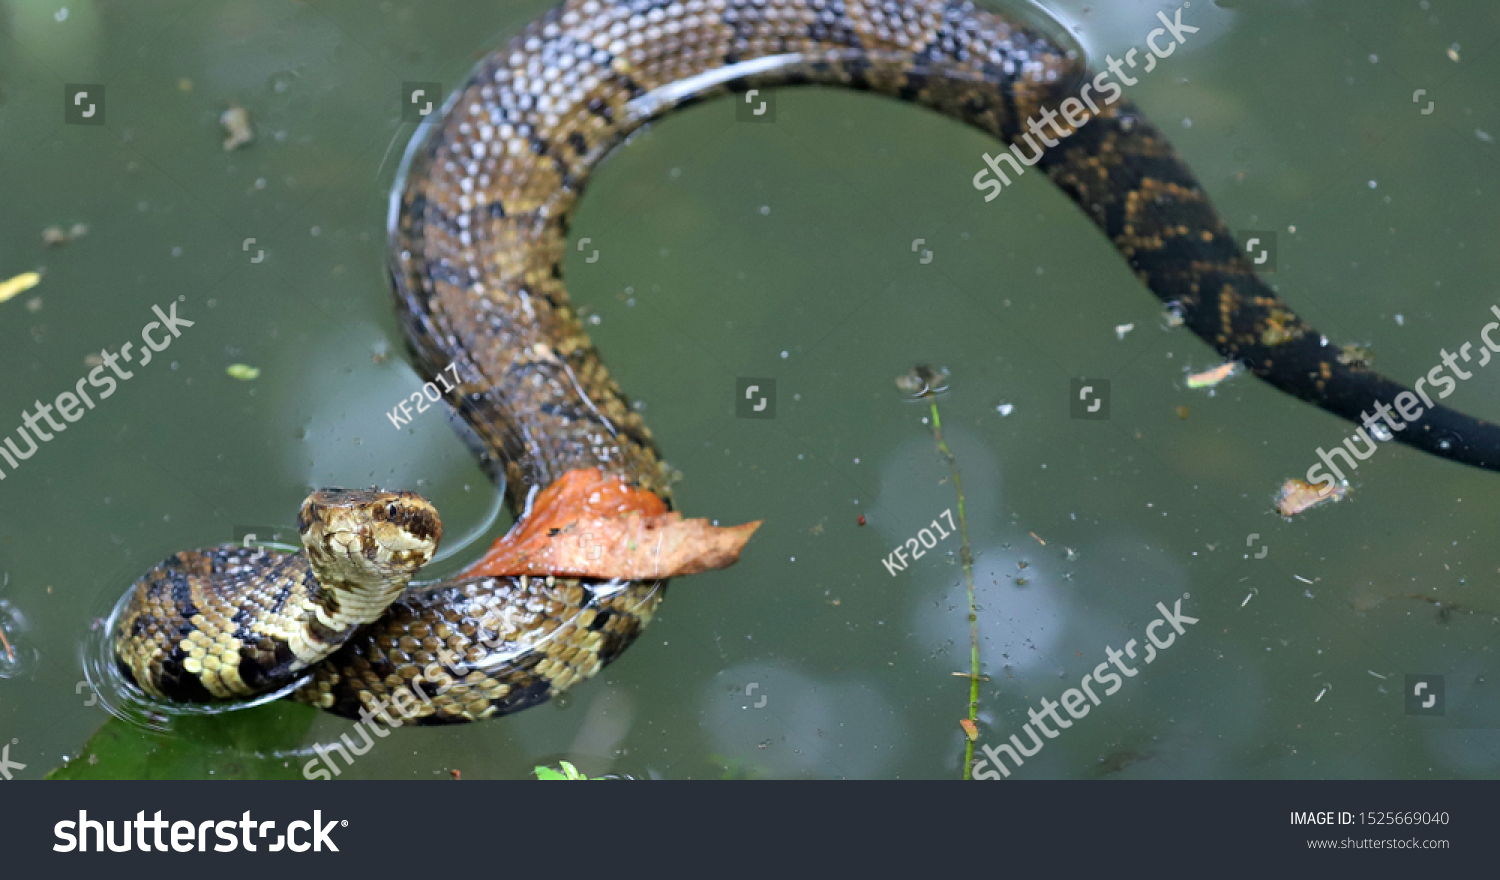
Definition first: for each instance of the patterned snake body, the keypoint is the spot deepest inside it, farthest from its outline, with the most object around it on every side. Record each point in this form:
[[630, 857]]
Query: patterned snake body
[[479, 225]]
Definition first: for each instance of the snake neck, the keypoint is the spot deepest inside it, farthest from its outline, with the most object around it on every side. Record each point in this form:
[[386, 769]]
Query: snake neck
[[339, 604]]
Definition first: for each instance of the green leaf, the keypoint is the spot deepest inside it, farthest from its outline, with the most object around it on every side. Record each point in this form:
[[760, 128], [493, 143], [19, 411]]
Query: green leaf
[[568, 772], [230, 745]]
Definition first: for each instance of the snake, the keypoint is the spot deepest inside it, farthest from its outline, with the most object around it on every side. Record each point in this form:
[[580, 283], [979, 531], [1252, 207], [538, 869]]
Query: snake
[[477, 230]]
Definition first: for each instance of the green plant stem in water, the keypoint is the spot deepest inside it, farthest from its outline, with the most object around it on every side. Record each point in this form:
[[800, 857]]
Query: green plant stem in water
[[967, 556]]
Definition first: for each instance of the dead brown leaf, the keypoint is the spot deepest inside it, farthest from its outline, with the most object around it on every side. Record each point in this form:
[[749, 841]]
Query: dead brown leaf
[[588, 524]]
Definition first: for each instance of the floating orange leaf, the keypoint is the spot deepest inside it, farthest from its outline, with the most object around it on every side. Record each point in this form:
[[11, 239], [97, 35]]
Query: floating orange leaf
[[589, 524], [971, 730]]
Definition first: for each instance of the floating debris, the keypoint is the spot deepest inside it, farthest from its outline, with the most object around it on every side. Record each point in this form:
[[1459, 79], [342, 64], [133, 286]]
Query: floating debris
[[54, 236], [923, 381], [1005, 409], [1356, 356], [1182, 412], [1038, 538], [1281, 327], [1297, 496], [1248, 596], [1326, 689], [1453, 53], [970, 729], [243, 372], [1210, 378], [19, 284], [237, 122], [1122, 329]]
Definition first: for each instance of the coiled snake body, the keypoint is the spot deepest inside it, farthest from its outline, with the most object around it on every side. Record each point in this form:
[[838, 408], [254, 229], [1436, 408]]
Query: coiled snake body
[[477, 233]]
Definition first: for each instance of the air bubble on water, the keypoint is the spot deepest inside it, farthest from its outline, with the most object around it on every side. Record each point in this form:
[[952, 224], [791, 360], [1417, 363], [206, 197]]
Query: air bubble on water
[[765, 209], [783, 355], [594, 319], [1400, 320], [1373, 184], [61, 15], [177, 251], [280, 81], [1187, 122], [20, 658], [1005, 409], [260, 183]]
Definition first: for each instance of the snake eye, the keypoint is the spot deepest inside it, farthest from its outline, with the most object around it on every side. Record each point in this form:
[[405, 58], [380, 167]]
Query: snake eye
[[390, 510]]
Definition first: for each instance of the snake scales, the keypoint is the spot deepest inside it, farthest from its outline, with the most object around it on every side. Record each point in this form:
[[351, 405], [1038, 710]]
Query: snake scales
[[478, 229]]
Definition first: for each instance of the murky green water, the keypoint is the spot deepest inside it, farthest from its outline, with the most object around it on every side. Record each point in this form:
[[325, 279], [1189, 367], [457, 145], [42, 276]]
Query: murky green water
[[786, 251]]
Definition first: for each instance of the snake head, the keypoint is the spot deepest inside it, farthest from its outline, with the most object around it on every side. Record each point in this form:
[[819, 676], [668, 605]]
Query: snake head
[[367, 537]]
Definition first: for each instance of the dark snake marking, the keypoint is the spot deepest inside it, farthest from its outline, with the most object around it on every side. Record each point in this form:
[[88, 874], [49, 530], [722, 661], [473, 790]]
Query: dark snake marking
[[479, 226]]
